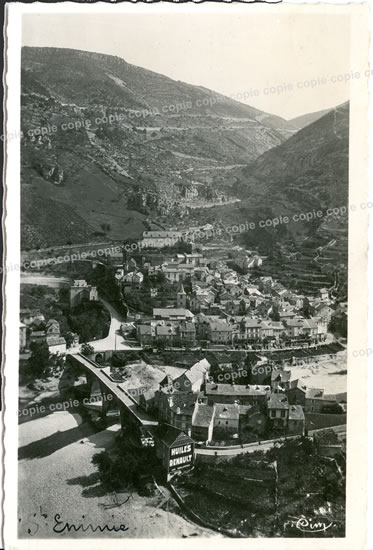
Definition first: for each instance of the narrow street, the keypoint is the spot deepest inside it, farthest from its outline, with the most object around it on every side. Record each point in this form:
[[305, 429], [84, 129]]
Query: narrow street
[[263, 446]]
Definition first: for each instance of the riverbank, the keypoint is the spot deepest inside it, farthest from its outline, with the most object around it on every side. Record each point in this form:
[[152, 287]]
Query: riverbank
[[56, 476]]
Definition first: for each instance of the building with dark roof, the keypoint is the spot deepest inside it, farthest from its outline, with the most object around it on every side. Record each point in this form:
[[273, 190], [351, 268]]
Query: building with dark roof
[[192, 379], [242, 394], [56, 344], [296, 420], [176, 408], [174, 448], [280, 379], [226, 421], [203, 422], [173, 314], [278, 410]]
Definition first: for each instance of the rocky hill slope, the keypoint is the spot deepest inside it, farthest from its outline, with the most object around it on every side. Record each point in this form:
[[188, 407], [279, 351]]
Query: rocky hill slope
[[109, 146], [306, 180]]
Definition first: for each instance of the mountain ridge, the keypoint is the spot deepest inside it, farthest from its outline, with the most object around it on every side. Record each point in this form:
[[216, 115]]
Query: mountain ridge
[[110, 181]]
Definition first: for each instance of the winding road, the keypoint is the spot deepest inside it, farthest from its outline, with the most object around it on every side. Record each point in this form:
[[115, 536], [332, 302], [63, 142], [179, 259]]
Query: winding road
[[114, 340]]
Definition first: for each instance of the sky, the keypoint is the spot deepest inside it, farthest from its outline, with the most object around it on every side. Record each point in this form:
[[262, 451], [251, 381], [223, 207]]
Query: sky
[[292, 61]]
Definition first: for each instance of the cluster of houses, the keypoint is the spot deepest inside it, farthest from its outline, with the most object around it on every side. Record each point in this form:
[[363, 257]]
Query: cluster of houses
[[223, 307], [209, 411], [180, 327], [33, 326]]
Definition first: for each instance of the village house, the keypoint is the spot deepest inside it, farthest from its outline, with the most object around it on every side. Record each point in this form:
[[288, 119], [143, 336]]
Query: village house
[[191, 380], [231, 393], [31, 317], [145, 334], [51, 335], [52, 328], [252, 419], [177, 408], [38, 336], [278, 410], [251, 329], [322, 326], [201, 298], [226, 421], [295, 300], [236, 307], [323, 311], [203, 422], [56, 344], [324, 294], [147, 401], [280, 379], [134, 279], [286, 315], [202, 326], [313, 400], [173, 314], [166, 333], [197, 260], [296, 420], [219, 332], [296, 392], [294, 327], [266, 329], [175, 272], [310, 328], [187, 333], [160, 239], [278, 329]]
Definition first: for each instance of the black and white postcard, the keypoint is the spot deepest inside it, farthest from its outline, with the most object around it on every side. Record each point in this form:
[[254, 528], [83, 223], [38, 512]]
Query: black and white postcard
[[186, 225]]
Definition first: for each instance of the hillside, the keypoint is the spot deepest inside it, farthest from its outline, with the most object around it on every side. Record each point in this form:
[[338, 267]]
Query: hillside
[[302, 121], [306, 174], [122, 146], [104, 180], [309, 170]]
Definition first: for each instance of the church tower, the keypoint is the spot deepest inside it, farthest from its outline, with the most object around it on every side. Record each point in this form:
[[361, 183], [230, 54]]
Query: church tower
[[181, 297]]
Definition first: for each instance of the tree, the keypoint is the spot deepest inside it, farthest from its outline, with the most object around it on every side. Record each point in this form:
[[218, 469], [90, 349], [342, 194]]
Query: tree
[[87, 349], [119, 359], [275, 313], [69, 339], [161, 278], [308, 310], [39, 360]]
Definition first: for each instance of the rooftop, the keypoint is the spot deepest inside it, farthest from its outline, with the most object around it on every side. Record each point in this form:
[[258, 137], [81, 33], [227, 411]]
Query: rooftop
[[203, 416], [172, 312], [236, 389], [183, 402], [296, 412], [227, 412], [314, 393], [173, 437], [220, 327], [55, 340], [277, 401]]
